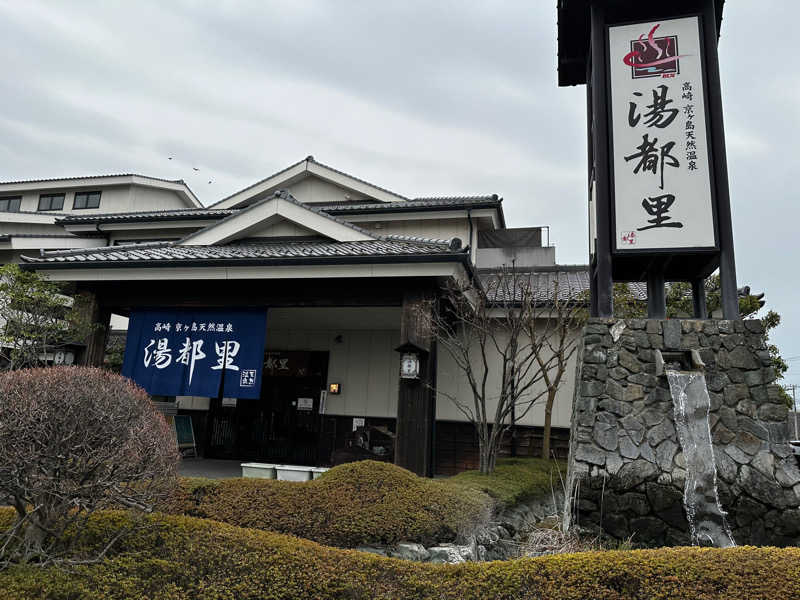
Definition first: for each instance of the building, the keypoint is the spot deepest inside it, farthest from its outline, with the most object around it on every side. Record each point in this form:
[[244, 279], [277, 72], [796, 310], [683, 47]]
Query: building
[[343, 270], [33, 211]]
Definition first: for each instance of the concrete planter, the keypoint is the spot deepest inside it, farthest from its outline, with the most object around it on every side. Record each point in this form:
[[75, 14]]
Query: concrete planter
[[316, 472], [293, 473], [258, 470]]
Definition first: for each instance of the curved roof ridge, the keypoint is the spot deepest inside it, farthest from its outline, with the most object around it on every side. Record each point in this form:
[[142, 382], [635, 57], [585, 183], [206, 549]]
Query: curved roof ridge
[[415, 238], [457, 197]]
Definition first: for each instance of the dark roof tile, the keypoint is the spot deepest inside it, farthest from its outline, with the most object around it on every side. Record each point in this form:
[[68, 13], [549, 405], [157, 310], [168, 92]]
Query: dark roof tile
[[109, 176], [169, 251], [343, 208], [573, 281]]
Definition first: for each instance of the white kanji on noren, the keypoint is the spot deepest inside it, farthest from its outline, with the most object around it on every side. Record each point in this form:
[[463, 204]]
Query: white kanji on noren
[[225, 353], [190, 353]]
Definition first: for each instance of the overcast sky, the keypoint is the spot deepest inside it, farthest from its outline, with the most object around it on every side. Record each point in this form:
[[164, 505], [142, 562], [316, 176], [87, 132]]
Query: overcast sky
[[424, 98]]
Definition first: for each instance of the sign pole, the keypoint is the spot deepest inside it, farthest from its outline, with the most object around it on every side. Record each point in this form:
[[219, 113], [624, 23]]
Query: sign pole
[[699, 299], [727, 262], [603, 284], [656, 299], [657, 167]]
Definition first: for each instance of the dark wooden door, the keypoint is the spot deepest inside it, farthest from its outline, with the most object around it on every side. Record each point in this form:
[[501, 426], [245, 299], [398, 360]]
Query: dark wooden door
[[283, 425]]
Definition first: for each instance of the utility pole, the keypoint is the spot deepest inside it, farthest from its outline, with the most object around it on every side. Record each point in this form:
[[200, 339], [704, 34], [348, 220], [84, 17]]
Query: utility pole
[[793, 387]]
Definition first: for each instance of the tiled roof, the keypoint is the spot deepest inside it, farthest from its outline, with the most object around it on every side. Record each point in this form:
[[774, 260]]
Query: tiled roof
[[572, 281], [109, 176], [344, 208], [158, 252], [149, 215], [448, 202]]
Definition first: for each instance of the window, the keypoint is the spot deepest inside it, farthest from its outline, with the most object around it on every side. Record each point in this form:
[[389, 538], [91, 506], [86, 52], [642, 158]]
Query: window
[[10, 204], [51, 201], [86, 200]]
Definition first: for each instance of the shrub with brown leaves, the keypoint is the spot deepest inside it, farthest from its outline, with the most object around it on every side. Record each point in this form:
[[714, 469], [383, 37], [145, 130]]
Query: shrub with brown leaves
[[74, 440]]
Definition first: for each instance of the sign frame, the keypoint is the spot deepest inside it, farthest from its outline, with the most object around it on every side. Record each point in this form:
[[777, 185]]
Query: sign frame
[[613, 230]]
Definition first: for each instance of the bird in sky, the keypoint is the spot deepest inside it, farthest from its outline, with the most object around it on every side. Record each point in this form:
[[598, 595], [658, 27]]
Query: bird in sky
[[195, 169]]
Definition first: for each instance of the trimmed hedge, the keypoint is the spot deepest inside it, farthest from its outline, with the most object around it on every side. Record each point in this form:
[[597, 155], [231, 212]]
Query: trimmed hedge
[[182, 558], [352, 504], [515, 479]]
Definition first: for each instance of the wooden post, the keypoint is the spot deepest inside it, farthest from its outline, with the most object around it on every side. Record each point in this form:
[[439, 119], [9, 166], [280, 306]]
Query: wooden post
[[94, 353], [699, 299], [416, 402], [603, 288], [656, 298], [727, 262]]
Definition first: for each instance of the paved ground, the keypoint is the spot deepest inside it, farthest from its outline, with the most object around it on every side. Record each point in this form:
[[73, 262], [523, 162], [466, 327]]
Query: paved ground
[[211, 468]]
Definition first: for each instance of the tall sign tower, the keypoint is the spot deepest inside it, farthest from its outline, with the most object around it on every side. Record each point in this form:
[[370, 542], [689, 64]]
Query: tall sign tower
[[659, 206]]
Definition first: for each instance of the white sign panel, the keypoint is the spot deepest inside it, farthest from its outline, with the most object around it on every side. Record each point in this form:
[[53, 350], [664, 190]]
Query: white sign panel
[[662, 181]]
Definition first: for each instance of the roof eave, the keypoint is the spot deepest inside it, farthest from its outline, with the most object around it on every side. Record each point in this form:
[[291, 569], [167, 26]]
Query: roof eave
[[38, 264]]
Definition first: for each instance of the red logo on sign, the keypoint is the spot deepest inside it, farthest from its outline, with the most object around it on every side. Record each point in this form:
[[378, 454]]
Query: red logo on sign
[[653, 56], [629, 238]]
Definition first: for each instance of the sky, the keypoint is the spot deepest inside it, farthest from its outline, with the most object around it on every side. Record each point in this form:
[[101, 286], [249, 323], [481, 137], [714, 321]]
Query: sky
[[423, 98]]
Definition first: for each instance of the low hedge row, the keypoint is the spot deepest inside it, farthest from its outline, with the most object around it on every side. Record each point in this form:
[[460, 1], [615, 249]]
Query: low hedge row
[[353, 504], [182, 558], [515, 479]]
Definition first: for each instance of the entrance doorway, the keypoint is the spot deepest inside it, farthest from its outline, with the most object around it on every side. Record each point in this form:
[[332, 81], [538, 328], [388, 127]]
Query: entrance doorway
[[283, 425]]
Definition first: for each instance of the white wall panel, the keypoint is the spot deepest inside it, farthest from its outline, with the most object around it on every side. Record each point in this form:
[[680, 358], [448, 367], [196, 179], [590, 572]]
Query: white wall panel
[[452, 381], [364, 361]]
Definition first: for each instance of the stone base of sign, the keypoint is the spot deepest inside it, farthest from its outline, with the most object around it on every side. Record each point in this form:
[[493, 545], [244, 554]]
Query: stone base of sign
[[627, 470]]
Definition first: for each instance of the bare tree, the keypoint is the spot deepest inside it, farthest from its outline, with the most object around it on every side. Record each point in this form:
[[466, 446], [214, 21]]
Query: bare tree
[[559, 328], [508, 324], [74, 440], [36, 319]]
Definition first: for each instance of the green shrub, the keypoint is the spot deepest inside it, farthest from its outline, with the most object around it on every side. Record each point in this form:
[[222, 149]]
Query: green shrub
[[182, 558], [515, 479], [352, 504]]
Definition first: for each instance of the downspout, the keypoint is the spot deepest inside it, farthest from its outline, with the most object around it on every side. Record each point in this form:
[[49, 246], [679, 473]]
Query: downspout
[[471, 246], [97, 228]]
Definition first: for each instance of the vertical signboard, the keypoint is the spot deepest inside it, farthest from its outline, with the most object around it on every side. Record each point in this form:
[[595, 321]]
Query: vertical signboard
[[662, 191]]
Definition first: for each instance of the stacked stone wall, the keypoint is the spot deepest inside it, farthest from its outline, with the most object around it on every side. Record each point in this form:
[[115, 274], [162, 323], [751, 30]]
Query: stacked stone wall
[[627, 471]]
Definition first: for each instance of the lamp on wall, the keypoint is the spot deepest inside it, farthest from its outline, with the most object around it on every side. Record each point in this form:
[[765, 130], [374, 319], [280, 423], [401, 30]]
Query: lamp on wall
[[334, 388], [409, 360], [409, 365]]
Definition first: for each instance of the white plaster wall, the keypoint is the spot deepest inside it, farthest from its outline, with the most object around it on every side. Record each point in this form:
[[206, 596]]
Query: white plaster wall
[[451, 381], [431, 228], [148, 234], [146, 198], [315, 190], [123, 198], [26, 228], [364, 362], [282, 229]]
